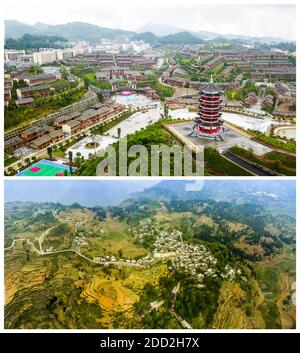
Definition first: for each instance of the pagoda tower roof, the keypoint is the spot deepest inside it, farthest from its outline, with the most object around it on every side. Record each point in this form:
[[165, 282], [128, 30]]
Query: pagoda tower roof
[[211, 88]]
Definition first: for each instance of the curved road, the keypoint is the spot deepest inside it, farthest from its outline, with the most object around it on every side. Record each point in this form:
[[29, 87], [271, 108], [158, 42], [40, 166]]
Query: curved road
[[42, 252], [243, 164]]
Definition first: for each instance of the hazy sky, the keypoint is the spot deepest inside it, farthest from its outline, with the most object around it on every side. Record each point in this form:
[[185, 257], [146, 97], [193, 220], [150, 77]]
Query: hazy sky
[[254, 20], [85, 192]]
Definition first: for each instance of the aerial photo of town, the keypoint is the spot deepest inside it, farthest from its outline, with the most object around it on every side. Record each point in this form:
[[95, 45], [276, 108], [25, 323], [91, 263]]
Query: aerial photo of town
[[150, 255], [73, 88]]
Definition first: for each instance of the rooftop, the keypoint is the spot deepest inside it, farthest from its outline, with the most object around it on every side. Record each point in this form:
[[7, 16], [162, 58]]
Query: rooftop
[[25, 100], [73, 123], [34, 88], [41, 140], [210, 88], [32, 130], [39, 77]]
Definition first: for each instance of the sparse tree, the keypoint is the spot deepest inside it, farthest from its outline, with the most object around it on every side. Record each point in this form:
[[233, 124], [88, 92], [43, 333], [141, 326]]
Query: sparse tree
[[120, 253], [166, 111], [119, 132], [70, 153], [49, 151]]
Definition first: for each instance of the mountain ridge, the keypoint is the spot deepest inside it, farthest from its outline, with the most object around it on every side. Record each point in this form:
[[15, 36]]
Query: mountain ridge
[[78, 30]]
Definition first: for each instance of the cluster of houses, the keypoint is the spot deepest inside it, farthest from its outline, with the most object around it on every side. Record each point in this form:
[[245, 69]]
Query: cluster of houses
[[268, 101], [63, 126], [193, 260], [107, 74], [180, 82], [213, 62], [78, 242], [168, 247], [285, 100], [36, 85], [250, 99], [106, 60], [8, 85], [259, 64]]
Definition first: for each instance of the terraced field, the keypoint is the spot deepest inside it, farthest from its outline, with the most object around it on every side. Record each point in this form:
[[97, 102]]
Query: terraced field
[[235, 311], [276, 278], [52, 291]]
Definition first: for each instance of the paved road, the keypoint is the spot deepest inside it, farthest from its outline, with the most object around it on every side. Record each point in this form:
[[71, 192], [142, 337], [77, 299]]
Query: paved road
[[42, 252], [183, 322], [13, 243], [249, 167]]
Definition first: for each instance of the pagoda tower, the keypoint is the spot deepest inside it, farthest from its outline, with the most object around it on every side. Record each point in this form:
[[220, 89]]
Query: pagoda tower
[[208, 123]]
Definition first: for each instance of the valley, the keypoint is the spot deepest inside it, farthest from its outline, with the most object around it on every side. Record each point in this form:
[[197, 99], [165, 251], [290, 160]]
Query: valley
[[184, 262]]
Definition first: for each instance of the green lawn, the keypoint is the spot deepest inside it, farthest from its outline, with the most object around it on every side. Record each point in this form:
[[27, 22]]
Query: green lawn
[[162, 90], [217, 68], [88, 74], [274, 141], [279, 162], [10, 160], [216, 165]]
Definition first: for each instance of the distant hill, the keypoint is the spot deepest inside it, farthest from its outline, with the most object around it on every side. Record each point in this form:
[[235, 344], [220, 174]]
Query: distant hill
[[162, 30], [73, 31], [159, 30], [16, 29], [279, 195], [181, 38], [89, 193], [165, 30], [151, 32], [148, 37], [177, 38]]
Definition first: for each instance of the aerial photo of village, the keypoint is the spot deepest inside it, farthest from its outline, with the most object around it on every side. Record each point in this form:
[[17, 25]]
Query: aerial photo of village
[[74, 88], [151, 255]]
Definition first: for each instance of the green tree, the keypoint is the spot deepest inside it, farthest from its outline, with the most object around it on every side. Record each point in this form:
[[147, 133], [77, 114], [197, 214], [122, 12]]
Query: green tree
[[86, 83], [100, 97], [119, 132], [70, 153], [120, 253], [166, 111], [49, 151]]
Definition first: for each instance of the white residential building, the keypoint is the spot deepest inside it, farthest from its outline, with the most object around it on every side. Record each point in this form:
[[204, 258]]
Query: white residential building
[[47, 56], [12, 55], [127, 46], [80, 48], [140, 46]]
